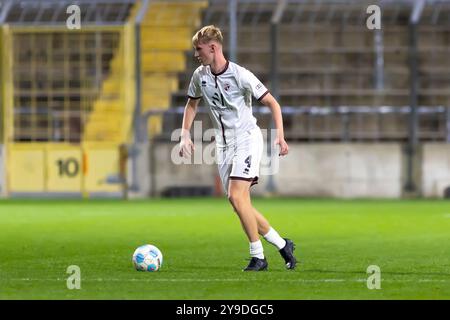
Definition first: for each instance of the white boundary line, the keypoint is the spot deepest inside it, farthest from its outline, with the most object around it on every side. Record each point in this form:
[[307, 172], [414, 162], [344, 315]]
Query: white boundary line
[[222, 280]]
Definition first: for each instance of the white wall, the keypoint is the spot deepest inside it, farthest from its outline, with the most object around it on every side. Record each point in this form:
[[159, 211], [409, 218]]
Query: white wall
[[168, 174], [435, 169], [324, 170], [341, 170]]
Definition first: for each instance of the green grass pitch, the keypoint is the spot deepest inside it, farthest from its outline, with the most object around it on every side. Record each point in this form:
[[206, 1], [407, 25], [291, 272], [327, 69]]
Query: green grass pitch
[[205, 249]]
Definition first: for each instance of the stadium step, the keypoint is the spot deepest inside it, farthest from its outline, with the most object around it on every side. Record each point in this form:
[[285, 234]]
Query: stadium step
[[336, 67], [166, 34], [109, 120], [162, 61], [174, 14], [176, 38]]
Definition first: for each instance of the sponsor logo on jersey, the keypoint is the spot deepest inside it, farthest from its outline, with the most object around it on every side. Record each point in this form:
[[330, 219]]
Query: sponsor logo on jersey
[[226, 86]]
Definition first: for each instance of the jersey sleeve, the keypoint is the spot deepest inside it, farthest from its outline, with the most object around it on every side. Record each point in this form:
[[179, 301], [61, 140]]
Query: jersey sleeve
[[251, 83], [194, 90]]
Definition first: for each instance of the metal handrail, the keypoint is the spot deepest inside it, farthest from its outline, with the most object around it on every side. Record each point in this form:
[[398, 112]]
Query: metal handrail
[[316, 110]]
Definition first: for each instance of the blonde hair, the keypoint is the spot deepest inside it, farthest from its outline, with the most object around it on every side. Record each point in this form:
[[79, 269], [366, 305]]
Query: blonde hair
[[207, 34]]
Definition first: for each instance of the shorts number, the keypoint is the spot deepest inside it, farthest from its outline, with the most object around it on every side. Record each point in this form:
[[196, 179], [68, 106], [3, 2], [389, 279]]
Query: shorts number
[[248, 161]]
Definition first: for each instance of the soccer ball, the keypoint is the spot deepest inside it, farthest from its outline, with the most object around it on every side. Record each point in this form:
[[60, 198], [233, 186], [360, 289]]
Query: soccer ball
[[147, 258]]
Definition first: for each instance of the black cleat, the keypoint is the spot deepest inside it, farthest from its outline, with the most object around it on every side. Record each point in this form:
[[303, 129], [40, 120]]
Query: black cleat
[[257, 264], [288, 254]]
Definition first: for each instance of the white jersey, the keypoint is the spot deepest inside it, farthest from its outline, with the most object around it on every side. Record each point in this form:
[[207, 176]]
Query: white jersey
[[228, 96]]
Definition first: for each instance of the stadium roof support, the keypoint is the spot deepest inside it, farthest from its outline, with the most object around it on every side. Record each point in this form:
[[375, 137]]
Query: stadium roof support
[[410, 185], [5, 7], [139, 134], [274, 46], [233, 29]]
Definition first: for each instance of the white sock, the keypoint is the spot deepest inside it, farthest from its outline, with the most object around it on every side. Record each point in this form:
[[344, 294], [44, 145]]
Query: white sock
[[256, 249], [274, 238]]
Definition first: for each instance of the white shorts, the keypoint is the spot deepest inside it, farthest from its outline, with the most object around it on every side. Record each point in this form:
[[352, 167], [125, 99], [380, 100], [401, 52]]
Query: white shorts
[[242, 160]]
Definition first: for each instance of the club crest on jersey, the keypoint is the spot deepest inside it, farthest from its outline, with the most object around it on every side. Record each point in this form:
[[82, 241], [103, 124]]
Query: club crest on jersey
[[226, 86], [203, 83]]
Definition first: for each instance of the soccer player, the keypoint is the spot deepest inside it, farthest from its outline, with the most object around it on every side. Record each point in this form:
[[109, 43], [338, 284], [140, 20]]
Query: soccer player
[[227, 89]]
